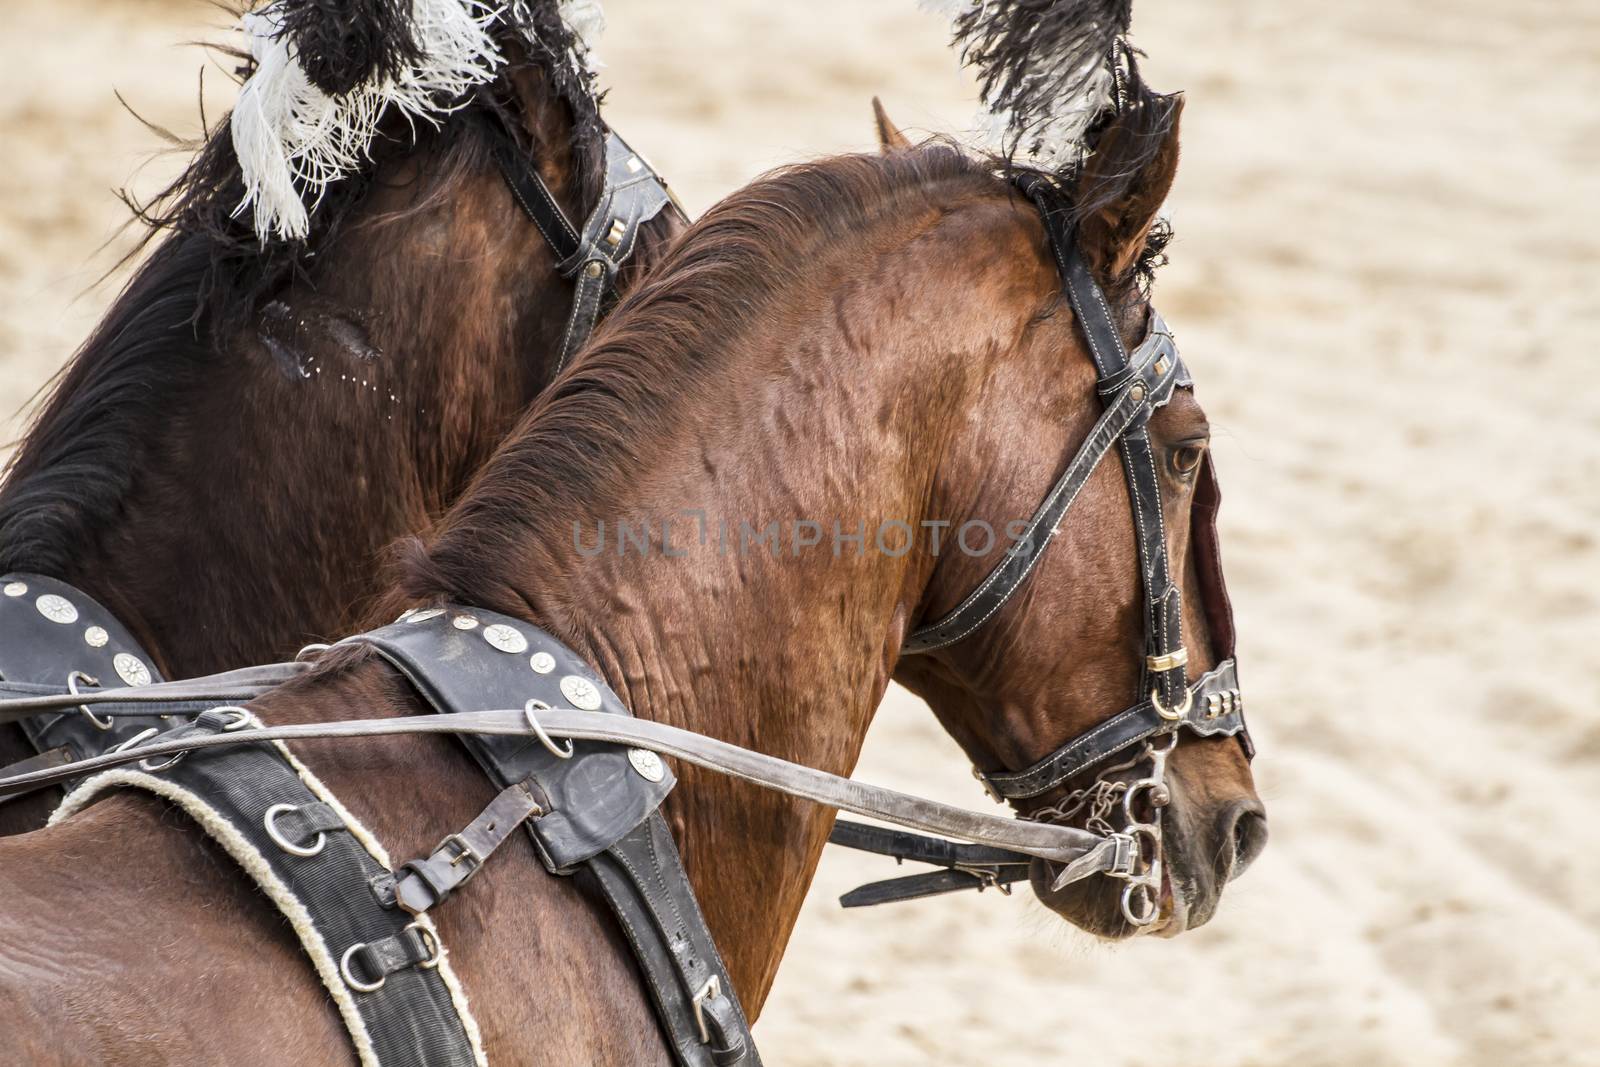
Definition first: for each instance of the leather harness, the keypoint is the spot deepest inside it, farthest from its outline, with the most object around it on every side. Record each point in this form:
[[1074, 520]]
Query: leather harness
[[595, 803]]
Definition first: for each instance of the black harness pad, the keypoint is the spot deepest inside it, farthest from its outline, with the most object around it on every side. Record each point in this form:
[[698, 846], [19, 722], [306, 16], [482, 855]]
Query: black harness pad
[[51, 630], [460, 659]]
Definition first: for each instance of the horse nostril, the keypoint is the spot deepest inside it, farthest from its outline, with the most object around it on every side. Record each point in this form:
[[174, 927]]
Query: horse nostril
[[1249, 836]]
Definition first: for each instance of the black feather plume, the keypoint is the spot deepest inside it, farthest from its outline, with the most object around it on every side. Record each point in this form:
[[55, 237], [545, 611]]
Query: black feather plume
[[1046, 69], [341, 44]]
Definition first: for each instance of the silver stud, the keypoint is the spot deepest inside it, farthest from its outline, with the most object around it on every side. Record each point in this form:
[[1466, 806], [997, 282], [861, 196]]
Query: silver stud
[[464, 622], [580, 693], [131, 669], [56, 608], [16, 588], [648, 764], [542, 662], [1137, 392], [505, 638], [96, 637], [425, 614]]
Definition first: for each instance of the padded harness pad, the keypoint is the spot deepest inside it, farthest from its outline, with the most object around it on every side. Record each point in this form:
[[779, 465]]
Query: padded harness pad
[[462, 659]]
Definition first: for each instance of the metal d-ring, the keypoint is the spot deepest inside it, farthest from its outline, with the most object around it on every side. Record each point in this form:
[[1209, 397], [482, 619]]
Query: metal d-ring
[[430, 941], [350, 979], [1172, 714], [72, 687], [545, 739], [269, 820], [1144, 916], [311, 650]]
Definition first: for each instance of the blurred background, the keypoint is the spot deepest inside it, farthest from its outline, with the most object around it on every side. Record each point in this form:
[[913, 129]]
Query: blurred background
[[1384, 279]]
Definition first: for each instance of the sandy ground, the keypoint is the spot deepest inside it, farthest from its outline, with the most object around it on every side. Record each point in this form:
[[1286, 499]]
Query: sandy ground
[[1383, 278]]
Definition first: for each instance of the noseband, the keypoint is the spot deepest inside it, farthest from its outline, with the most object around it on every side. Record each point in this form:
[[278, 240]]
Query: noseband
[[1131, 388]]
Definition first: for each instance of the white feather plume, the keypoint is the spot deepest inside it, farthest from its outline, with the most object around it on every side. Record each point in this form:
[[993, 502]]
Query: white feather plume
[[293, 140]]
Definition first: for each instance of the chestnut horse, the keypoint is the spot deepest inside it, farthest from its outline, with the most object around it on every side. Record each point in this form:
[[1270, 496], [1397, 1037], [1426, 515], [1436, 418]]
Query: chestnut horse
[[858, 339], [224, 460]]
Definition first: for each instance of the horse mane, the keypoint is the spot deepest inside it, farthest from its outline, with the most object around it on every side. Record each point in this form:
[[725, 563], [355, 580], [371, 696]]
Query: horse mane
[[204, 279], [668, 339]]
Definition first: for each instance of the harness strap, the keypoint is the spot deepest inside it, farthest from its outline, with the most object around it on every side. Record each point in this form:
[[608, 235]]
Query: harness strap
[[188, 694], [966, 866], [421, 884], [632, 195], [1216, 709], [382, 966], [935, 883], [1158, 371], [643, 880]]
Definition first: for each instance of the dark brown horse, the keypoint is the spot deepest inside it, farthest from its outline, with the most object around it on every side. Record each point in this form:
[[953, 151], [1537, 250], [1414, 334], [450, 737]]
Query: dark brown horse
[[856, 340], [224, 460]]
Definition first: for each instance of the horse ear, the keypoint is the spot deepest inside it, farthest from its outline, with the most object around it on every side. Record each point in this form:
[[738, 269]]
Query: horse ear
[[890, 139], [1125, 181]]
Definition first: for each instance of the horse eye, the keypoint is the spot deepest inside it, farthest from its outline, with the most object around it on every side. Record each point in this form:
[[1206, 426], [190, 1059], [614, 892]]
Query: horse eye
[[1186, 458]]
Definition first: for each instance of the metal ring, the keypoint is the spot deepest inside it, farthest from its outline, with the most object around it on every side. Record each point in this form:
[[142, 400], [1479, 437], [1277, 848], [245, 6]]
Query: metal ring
[[1172, 714], [299, 657], [171, 761], [241, 720], [137, 739], [72, 687], [538, 729], [1148, 915], [269, 820], [350, 979], [430, 940]]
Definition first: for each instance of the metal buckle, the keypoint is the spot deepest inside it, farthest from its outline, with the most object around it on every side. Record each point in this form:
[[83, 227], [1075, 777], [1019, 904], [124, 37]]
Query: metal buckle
[[464, 853], [712, 988], [1172, 714]]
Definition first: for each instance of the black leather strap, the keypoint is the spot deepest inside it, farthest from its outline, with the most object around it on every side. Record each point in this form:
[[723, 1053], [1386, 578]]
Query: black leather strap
[[423, 883], [967, 866], [643, 879], [1156, 370], [932, 884], [1217, 709], [632, 195]]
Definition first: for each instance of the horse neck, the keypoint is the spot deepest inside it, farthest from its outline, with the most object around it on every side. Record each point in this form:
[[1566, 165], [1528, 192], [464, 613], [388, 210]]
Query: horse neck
[[279, 459], [789, 655]]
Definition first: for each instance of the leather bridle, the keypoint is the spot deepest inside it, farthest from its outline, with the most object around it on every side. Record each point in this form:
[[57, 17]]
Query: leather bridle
[[1131, 388], [633, 194]]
